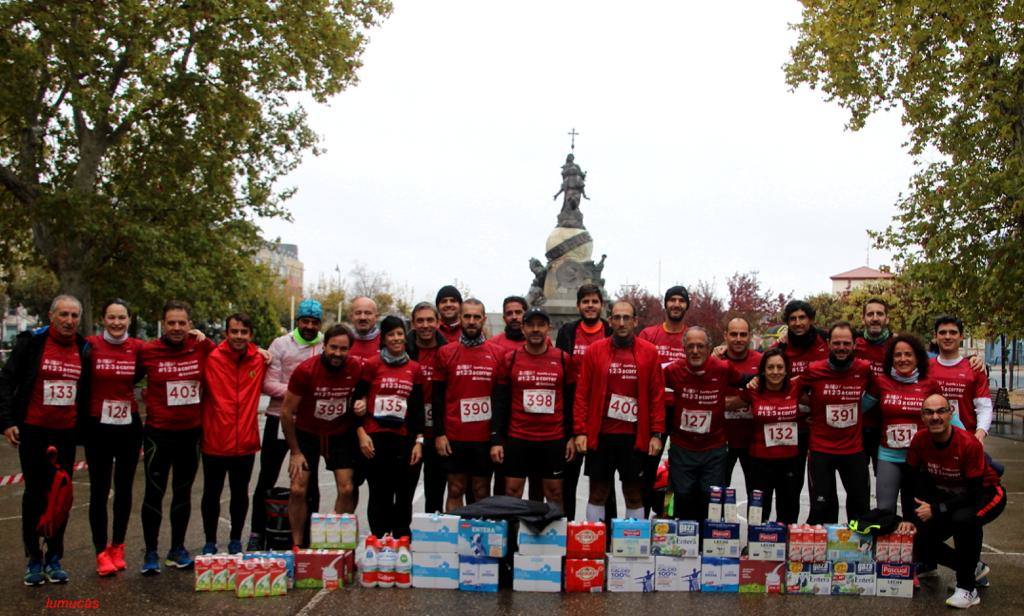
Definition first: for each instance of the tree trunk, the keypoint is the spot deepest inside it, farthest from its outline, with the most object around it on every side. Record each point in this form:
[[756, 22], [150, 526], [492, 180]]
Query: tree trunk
[[73, 282]]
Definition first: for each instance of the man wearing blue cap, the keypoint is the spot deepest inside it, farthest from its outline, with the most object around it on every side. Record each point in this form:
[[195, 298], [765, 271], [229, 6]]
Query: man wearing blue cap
[[288, 351]]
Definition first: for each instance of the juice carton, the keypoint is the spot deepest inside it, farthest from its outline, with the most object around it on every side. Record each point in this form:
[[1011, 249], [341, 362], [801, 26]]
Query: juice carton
[[278, 577], [846, 545], [262, 585], [853, 578], [907, 546], [796, 543], [809, 578], [675, 538], [820, 544]]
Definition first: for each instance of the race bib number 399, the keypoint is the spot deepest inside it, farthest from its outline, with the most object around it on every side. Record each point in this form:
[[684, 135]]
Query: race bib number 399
[[329, 410], [182, 393], [116, 412], [698, 422], [898, 436], [780, 433], [475, 409], [59, 393], [539, 401], [623, 408], [841, 415]]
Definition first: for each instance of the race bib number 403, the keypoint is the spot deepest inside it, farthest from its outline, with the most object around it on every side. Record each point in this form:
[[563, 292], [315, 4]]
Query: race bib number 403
[[475, 409], [780, 433], [623, 408], [59, 393], [329, 410], [898, 436], [539, 401], [841, 415], [181, 393], [698, 422], [116, 412]]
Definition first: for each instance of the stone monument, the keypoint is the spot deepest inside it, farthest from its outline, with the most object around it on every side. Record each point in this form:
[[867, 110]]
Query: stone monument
[[569, 251]]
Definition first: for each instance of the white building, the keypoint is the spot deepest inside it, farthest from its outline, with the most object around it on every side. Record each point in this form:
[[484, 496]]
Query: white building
[[847, 281]]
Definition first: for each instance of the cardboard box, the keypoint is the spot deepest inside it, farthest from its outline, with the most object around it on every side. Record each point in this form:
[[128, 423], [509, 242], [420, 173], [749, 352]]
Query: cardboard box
[[721, 539], [895, 580], [842, 544], [808, 578], [550, 541], [756, 574], [585, 540], [310, 566], [435, 532], [631, 537], [767, 542], [675, 538], [435, 570], [719, 574], [677, 574], [483, 538], [584, 574], [478, 573], [287, 556], [630, 573], [537, 573], [853, 578]]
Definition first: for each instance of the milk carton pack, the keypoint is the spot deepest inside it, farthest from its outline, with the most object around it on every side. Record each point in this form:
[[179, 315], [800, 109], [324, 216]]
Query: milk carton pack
[[204, 573], [435, 570], [631, 537], [317, 531], [895, 580], [767, 542], [897, 547], [348, 531], [478, 574], [755, 509], [842, 544], [675, 538], [287, 556], [321, 568], [435, 532], [585, 540], [719, 574], [537, 573], [584, 575], [853, 578], [715, 503], [550, 541], [261, 577], [483, 538], [677, 574], [630, 574], [729, 513], [216, 572], [761, 576], [721, 539], [803, 578]]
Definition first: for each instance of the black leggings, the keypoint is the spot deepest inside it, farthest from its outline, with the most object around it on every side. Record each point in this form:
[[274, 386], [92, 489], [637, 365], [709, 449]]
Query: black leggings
[[167, 451], [821, 483], [112, 452], [390, 506], [964, 526], [783, 477], [272, 454], [238, 470], [38, 474], [435, 479]]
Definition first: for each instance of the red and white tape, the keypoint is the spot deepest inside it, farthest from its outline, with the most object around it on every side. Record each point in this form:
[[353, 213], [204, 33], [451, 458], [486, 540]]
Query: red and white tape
[[9, 480]]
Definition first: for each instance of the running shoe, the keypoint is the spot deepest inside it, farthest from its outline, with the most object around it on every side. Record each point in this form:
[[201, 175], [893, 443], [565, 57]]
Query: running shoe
[[34, 573], [963, 599], [179, 558], [55, 574], [151, 563]]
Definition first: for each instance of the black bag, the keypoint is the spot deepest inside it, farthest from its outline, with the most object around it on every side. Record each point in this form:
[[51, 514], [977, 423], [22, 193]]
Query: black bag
[[279, 529]]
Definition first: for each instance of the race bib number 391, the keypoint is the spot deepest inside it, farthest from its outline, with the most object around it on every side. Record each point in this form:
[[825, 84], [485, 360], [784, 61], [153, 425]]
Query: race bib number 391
[[182, 393], [841, 415], [539, 401], [329, 410], [898, 436], [475, 409], [116, 412], [59, 393], [623, 408]]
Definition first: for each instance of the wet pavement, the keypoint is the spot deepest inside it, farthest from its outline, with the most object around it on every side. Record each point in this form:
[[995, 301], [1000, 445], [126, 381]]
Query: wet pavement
[[171, 592]]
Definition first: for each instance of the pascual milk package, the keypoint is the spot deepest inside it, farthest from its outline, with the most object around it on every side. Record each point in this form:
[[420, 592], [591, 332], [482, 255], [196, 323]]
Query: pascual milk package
[[538, 573], [435, 532], [675, 538], [767, 542], [894, 580], [549, 541], [721, 539], [677, 574], [631, 537], [630, 574]]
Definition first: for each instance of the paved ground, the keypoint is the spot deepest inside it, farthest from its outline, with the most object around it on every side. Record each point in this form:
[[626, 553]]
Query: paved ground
[[171, 592]]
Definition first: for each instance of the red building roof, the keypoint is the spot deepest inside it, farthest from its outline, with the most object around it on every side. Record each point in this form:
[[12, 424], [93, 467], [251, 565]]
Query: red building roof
[[863, 273]]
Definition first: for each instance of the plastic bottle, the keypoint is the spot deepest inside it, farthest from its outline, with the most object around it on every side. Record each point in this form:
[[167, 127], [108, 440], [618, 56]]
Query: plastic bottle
[[403, 566], [370, 573], [386, 560]]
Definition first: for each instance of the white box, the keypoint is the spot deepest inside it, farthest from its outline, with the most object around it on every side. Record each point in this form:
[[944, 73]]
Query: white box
[[854, 578], [483, 538], [895, 580], [719, 574], [630, 573], [435, 570], [537, 573], [550, 541], [478, 574], [808, 578], [435, 532], [675, 574], [675, 538]]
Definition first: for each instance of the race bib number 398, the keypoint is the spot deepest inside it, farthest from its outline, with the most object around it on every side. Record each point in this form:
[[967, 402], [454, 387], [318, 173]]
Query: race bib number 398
[[116, 412], [841, 415], [182, 393], [898, 436], [539, 401], [475, 409], [623, 408], [329, 410], [59, 393]]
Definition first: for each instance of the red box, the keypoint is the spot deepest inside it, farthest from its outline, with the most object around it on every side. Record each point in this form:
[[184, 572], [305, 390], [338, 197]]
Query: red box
[[585, 540], [309, 565], [584, 575], [754, 575]]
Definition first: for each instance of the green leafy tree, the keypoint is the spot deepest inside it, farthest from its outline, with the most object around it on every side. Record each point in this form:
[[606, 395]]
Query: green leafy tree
[[953, 68], [141, 141], [910, 310]]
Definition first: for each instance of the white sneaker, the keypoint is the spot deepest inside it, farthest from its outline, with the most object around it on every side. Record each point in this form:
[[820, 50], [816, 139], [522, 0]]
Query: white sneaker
[[963, 599]]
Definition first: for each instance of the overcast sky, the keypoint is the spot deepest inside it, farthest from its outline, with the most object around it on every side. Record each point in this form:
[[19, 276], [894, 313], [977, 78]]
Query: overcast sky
[[442, 161]]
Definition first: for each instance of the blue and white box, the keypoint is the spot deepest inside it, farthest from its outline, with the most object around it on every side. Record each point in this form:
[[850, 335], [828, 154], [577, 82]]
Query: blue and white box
[[722, 539], [631, 537], [435, 532], [675, 538], [630, 574], [478, 574], [435, 570], [483, 538], [550, 541], [767, 542], [676, 574], [719, 574], [853, 578], [537, 573]]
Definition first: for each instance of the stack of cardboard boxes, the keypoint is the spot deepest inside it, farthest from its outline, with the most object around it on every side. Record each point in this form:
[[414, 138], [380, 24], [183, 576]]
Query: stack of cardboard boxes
[[435, 550]]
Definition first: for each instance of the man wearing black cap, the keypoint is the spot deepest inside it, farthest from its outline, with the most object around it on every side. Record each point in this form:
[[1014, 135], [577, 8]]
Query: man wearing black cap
[[532, 424], [449, 304]]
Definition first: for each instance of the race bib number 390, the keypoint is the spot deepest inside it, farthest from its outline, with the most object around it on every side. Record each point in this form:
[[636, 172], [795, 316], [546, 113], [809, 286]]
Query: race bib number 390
[[780, 433], [329, 410], [623, 408], [59, 393], [389, 406], [181, 393], [539, 401], [116, 412], [841, 415], [698, 422], [475, 409], [898, 436]]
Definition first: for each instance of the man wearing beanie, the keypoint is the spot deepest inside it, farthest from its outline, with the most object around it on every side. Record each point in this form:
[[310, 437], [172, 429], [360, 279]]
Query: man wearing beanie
[[363, 315], [287, 351], [449, 305]]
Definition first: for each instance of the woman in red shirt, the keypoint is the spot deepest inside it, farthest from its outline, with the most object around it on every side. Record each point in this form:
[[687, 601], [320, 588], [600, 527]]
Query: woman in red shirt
[[391, 436], [774, 454]]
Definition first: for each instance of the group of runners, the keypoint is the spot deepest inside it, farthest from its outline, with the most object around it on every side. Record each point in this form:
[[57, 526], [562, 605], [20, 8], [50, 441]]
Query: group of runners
[[385, 403]]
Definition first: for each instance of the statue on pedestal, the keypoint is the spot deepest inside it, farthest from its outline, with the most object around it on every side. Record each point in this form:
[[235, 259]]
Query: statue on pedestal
[[573, 187]]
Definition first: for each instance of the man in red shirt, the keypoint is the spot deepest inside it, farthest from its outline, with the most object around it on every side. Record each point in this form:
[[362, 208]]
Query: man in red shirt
[[871, 344], [363, 314], [422, 346], [619, 413], [957, 492], [965, 387], [739, 422], [464, 378], [449, 305], [319, 419], [512, 310], [42, 396]]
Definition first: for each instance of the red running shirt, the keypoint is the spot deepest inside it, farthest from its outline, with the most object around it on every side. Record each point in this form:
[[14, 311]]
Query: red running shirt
[[901, 404], [469, 374], [836, 419], [775, 421], [698, 403], [950, 467], [174, 382], [739, 424], [326, 396], [112, 379], [536, 381], [390, 387], [621, 404], [52, 403], [961, 384]]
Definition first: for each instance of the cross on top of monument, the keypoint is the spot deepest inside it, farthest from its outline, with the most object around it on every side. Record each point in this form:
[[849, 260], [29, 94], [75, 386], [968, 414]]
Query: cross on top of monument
[[573, 133]]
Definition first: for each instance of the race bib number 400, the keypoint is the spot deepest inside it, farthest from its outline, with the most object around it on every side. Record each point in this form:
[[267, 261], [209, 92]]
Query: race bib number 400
[[698, 422], [59, 393], [898, 436], [780, 433], [329, 410], [623, 408], [539, 401], [475, 409], [116, 412], [390, 406], [841, 415], [181, 393]]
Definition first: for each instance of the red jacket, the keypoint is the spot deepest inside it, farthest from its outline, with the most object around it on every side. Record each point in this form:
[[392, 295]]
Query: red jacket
[[592, 386], [231, 398]]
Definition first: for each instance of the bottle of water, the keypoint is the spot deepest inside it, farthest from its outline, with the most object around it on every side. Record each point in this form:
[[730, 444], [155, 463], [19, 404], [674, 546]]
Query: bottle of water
[[403, 566], [386, 560], [370, 574]]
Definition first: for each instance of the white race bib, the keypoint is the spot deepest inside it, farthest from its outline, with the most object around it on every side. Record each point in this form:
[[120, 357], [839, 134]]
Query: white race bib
[[898, 436], [539, 401], [116, 412], [475, 409], [623, 408], [329, 410], [780, 433], [841, 415], [428, 415], [743, 413], [59, 393], [390, 406], [182, 393], [697, 422]]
